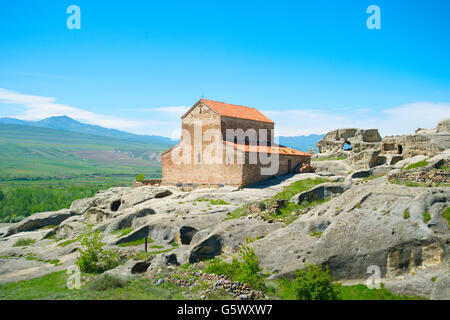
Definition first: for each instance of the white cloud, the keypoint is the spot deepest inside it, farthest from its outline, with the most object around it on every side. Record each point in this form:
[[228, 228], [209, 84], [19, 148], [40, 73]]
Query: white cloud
[[403, 119], [37, 108], [407, 118], [177, 111]]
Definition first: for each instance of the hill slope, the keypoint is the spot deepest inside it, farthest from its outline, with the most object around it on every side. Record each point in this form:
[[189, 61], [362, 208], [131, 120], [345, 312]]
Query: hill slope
[[30, 152], [66, 123]]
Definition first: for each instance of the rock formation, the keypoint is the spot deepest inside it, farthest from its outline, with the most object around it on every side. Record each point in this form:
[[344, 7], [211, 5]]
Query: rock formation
[[366, 215], [365, 149]]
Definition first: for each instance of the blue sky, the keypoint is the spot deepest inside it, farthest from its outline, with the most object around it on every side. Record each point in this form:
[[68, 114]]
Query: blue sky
[[311, 66]]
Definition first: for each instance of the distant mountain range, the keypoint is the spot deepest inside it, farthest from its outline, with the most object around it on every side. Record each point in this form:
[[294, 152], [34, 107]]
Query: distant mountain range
[[65, 123], [68, 124], [302, 143]]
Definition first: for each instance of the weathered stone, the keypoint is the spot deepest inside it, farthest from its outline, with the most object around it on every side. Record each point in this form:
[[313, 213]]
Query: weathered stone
[[320, 192], [40, 220]]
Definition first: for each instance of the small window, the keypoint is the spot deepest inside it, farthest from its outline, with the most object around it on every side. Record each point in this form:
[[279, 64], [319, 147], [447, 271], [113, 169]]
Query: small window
[[347, 146], [199, 158]]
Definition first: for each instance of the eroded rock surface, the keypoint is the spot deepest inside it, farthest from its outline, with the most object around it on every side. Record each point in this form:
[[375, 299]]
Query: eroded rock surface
[[365, 221]]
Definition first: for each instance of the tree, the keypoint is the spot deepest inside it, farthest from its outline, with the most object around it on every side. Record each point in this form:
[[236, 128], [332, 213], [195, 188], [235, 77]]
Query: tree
[[315, 283]]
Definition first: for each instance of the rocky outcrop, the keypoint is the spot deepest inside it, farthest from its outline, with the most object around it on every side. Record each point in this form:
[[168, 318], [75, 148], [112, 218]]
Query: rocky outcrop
[[321, 192], [228, 237], [364, 226], [333, 143], [363, 221], [364, 149], [40, 220]]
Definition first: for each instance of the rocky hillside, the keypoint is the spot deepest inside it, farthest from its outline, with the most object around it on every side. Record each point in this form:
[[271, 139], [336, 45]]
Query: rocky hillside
[[343, 217]]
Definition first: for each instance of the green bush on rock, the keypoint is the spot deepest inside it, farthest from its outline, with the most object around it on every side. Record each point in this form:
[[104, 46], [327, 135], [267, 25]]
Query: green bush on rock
[[93, 259], [315, 283]]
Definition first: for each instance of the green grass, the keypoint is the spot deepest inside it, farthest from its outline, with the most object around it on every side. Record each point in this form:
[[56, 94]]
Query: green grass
[[54, 287], [22, 198], [416, 165], [316, 233], [29, 152], [284, 289], [417, 184], [66, 243], [286, 213], [426, 217], [298, 187], [218, 202], [328, 158], [135, 242], [55, 262], [23, 242], [45, 170], [446, 215], [123, 232], [406, 214]]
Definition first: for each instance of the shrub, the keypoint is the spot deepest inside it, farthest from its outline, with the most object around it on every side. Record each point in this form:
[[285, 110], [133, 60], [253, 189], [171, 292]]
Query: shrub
[[140, 177], [315, 283], [106, 282], [220, 267], [247, 271], [93, 259], [250, 271], [23, 242]]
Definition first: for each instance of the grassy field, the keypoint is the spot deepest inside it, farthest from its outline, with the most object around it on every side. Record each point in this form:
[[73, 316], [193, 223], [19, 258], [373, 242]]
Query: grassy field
[[284, 289], [45, 169], [54, 287], [38, 153]]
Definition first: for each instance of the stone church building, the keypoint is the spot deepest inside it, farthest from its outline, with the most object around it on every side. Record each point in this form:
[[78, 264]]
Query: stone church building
[[226, 144]]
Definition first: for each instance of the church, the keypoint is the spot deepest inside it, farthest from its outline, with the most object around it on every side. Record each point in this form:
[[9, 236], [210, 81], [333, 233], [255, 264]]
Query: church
[[227, 144]]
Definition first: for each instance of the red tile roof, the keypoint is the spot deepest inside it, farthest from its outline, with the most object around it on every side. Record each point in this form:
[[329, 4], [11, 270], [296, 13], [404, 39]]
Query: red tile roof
[[236, 111], [267, 149]]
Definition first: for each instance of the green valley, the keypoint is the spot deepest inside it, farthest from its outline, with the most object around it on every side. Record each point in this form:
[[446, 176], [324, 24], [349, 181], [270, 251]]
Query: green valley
[[45, 169]]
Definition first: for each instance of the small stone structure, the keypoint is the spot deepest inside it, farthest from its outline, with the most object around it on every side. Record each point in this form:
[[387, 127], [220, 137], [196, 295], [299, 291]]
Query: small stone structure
[[147, 182], [366, 149], [356, 139], [427, 142], [207, 155]]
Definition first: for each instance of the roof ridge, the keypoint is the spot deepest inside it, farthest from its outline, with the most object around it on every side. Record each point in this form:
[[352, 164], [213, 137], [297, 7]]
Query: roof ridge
[[240, 111]]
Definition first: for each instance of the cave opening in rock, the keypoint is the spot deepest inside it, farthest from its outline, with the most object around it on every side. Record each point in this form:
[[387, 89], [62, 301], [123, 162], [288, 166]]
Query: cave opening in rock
[[399, 149], [186, 234], [347, 146], [115, 205]]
